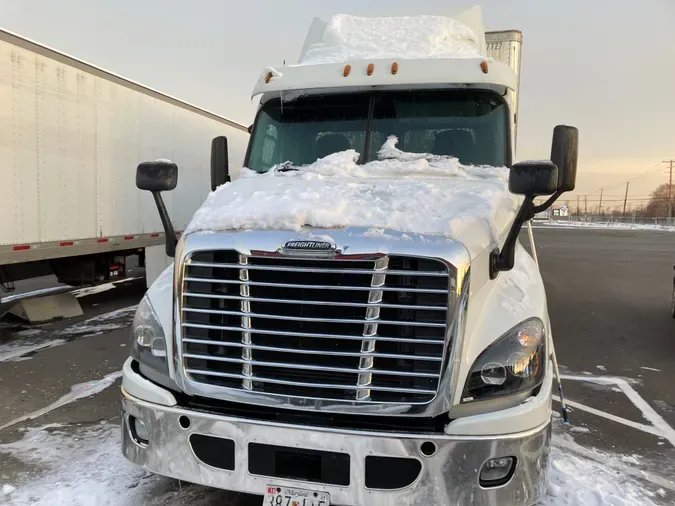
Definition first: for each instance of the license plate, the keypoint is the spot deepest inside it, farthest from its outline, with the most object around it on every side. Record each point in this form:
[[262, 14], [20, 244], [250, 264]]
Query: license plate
[[284, 496]]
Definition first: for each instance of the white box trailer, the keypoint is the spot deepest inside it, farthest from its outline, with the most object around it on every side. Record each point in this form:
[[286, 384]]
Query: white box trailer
[[71, 136]]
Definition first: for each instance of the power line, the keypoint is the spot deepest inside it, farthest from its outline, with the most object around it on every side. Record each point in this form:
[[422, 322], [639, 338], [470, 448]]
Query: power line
[[652, 169]]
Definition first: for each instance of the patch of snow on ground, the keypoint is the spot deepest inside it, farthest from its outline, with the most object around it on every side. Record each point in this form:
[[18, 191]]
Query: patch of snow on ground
[[91, 290], [30, 342], [427, 195], [77, 470], [29, 332], [101, 323], [650, 369], [14, 350], [582, 477], [601, 225], [349, 38], [601, 367], [77, 391]]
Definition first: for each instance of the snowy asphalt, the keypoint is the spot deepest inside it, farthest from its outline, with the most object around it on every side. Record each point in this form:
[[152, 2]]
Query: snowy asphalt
[[609, 299]]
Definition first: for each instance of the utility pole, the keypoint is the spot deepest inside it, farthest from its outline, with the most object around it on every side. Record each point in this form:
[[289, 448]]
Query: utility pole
[[600, 206], [585, 205], [578, 206], [625, 199], [670, 186]]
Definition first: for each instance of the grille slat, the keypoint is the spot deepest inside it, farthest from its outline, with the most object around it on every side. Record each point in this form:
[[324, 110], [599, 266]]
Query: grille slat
[[324, 271], [288, 365], [306, 319], [262, 379], [315, 302], [310, 287], [374, 354], [368, 329], [317, 336]]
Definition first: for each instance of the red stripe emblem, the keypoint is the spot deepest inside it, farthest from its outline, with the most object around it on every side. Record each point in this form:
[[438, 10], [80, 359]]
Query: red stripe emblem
[[103, 239], [128, 237], [23, 247], [66, 243]]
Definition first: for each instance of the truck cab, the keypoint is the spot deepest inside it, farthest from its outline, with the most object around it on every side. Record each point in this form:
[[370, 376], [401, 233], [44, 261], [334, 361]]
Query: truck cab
[[353, 321]]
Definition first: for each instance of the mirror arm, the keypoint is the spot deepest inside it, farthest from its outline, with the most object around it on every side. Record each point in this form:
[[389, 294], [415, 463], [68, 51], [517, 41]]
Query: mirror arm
[[548, 203], [169, 231], [504, 260]]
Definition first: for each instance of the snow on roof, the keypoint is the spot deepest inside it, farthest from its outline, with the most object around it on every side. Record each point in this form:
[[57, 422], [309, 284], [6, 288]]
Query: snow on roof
[[416, 193], [348, 38]]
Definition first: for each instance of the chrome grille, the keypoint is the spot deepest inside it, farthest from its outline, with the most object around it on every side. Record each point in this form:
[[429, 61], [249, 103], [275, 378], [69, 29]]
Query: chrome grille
[[361, 329]]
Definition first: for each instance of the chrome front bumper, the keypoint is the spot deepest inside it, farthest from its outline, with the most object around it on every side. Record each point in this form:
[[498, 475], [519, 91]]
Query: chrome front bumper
[[448, 477]]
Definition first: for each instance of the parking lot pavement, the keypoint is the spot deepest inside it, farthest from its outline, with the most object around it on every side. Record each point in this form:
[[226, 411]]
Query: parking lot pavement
[[609, 295]]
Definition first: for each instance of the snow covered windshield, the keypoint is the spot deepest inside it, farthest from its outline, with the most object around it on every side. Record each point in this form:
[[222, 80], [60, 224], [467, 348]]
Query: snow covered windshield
[[469, 125]]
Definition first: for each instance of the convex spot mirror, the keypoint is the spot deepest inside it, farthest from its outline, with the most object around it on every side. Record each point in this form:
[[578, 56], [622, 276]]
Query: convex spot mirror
[[533, 178]]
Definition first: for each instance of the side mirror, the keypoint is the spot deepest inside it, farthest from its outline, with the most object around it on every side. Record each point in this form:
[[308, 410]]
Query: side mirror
[[220, 170], [533, 178], [564, 153], [157, 177]]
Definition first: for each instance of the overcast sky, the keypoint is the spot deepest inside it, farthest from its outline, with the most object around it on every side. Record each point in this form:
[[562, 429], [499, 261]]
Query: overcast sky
[[605, 66]]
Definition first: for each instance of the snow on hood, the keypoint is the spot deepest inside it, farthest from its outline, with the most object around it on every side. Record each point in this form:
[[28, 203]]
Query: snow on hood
[[349, 38], [406, 192]]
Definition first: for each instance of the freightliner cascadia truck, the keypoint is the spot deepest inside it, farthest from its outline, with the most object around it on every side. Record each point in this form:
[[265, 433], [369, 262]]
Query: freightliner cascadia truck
[[353, 321]]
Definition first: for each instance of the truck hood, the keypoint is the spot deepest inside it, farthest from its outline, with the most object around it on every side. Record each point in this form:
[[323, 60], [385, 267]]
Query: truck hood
[[405, 192]]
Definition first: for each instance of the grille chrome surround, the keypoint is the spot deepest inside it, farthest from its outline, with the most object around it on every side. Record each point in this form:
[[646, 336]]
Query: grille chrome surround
[[229, 356], [260, 327]]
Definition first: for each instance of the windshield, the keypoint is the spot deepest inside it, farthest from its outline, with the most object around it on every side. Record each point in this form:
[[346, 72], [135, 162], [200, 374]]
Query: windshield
[[469, 125]]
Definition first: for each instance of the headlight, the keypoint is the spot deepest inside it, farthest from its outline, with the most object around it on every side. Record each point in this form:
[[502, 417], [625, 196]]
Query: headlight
[[148, 345], [514, 364]]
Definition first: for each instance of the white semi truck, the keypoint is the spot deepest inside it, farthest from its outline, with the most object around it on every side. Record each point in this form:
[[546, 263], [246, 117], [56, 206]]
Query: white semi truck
[[72, 134], [353, 322]]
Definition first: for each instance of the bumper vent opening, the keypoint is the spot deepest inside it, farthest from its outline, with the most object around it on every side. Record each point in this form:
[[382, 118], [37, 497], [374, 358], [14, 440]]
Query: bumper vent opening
[[214, 451], [315, 466], [391, 473]]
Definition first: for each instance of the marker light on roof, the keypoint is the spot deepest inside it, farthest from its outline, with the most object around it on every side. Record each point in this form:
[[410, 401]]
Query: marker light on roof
[[371, 68], [394, 68], [484, 66], [348, 69]]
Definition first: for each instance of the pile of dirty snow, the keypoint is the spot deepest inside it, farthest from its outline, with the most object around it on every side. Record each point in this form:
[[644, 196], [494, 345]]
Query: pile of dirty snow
[[349, 38], [416, 193]]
